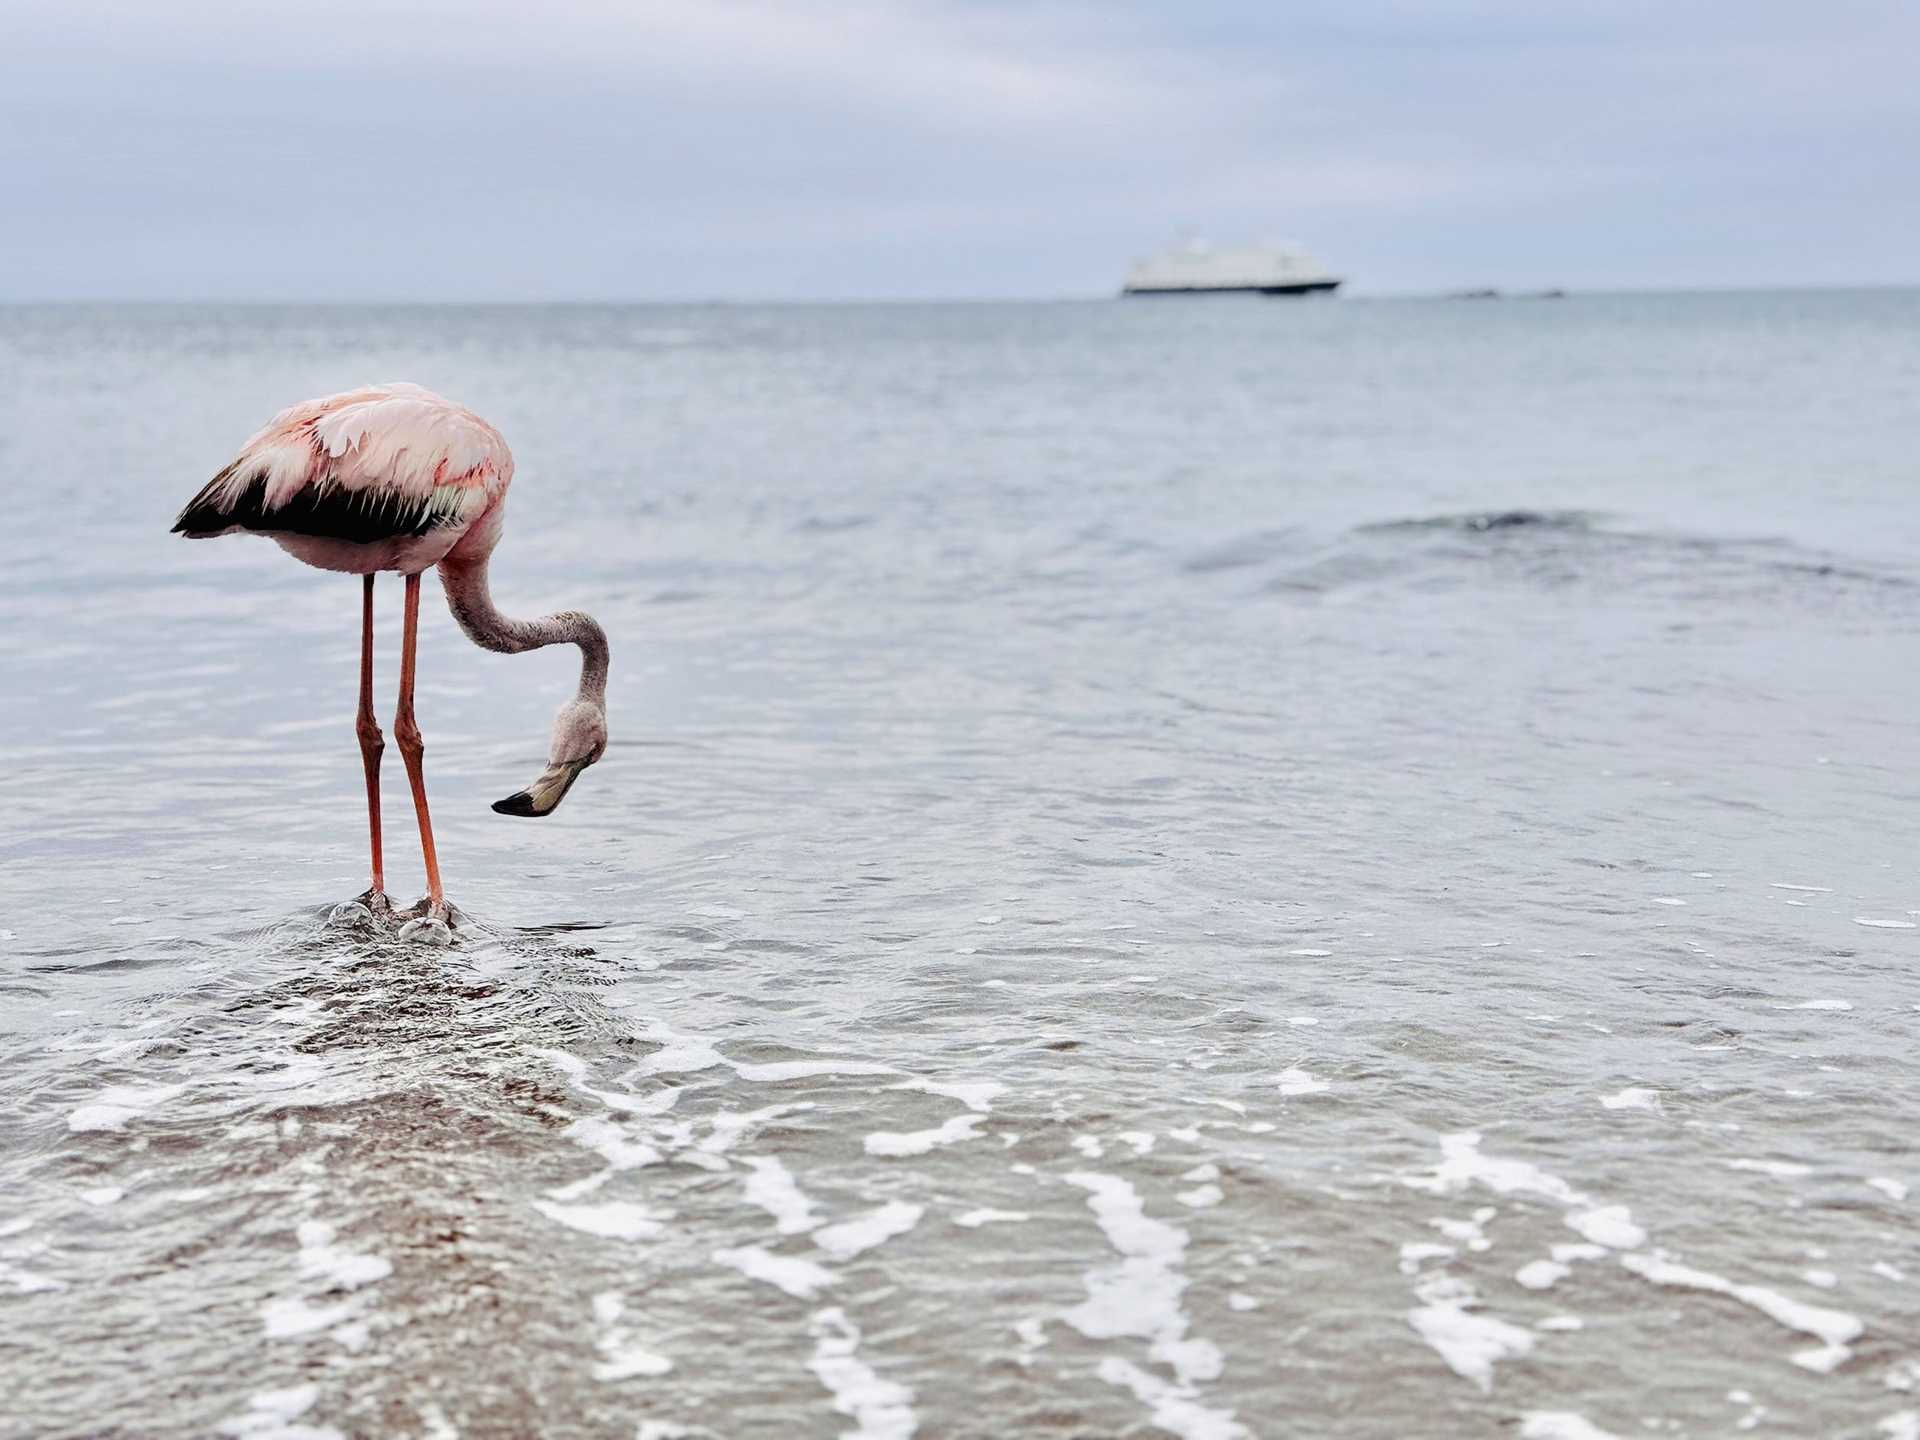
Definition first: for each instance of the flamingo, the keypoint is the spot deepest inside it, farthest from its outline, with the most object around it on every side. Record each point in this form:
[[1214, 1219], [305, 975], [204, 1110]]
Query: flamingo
[[395, 477]]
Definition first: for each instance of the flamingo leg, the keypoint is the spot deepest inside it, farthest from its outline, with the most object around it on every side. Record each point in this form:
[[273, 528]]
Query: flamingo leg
[[412, 747], [372, 743]]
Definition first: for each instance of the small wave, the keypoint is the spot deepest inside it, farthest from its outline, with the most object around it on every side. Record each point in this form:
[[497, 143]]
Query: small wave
[[1554, 549], [1481, 521]]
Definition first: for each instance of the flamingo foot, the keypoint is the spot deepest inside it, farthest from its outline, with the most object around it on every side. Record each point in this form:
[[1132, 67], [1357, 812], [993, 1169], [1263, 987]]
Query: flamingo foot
[[377, 903], [428, 920], [426, 930]]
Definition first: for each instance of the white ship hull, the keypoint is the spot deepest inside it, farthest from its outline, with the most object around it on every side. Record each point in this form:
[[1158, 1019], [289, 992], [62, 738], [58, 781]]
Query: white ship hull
[[1198, 269], [1301, 287]]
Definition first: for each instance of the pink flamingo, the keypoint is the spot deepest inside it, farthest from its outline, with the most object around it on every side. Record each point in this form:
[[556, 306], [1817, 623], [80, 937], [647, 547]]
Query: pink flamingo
[[394, 477]]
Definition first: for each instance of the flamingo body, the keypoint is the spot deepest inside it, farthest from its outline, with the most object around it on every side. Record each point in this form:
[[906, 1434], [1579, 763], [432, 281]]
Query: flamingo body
[[389, 477]]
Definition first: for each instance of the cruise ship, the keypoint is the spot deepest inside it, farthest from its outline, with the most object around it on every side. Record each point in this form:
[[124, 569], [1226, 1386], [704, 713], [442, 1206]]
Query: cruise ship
[[1196, 268]]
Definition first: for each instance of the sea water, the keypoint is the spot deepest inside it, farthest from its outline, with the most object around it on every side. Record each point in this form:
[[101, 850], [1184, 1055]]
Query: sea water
[[1210, 868]]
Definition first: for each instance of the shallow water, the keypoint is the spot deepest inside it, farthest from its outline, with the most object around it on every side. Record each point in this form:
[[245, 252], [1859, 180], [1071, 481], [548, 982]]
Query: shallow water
[[1160, 864]]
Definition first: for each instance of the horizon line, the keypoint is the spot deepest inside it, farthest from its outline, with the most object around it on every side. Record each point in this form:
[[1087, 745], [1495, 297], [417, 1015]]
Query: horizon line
[[1451, 293]]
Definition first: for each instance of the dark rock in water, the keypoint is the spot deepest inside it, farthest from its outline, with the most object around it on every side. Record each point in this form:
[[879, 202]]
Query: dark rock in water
[[1508, 520], [1481, 521]]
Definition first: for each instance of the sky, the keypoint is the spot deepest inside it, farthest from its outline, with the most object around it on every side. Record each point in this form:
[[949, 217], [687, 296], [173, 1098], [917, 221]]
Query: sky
[[513, 150]]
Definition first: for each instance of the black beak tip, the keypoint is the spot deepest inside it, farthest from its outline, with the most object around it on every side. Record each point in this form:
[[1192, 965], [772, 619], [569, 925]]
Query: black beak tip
[[518, 803]]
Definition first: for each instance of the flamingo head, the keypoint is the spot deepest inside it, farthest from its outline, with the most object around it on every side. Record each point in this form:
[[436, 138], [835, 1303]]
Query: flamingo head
[[579, 739]]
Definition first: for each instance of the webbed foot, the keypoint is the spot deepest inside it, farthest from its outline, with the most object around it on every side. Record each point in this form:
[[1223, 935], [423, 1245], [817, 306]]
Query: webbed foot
[[376, 902], [427, 920]]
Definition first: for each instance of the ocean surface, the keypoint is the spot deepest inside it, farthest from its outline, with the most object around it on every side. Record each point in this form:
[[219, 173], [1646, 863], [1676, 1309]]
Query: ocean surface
[[1200, 868]]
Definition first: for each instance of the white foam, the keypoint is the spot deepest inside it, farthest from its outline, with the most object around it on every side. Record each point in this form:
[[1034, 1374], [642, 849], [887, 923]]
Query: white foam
[[102, 1195], [291, 1316], [919, 1142], [1668, 900], [1817, 1005], [1202, 1173], [678, 1054], [1302, 1020], [775, 1071], [585, 1185], [117, 1104], [1609, 1225], [1891, 1188], [575, 1070], [270, 1415], [973, 1219], [974, 1094], [28, 1282], [1313, 953], [1032, 1333], [1808, 889], [1462, 1164], [1541, 1274], [1779, 1169], [798, 1276], [1901, 1425], [1174, 1408], [1140, 1295], [1634, 1097], [1469, 1344], [321, 1259], [623, 1358], [772, 1187], [730, 1125], [613, 1144], [611, 1219], [1832, 1327], [1561, 1322], [1885, 924], [1201, 1197], [1295, 1081], [1415, 1251], [1470, 1232], [882, 1409], [1561, 1425], [850, 1237], [1237, 1301], [1566, 1254]]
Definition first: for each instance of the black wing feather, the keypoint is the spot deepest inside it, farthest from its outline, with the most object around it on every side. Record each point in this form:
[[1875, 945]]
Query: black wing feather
[[360, 517]]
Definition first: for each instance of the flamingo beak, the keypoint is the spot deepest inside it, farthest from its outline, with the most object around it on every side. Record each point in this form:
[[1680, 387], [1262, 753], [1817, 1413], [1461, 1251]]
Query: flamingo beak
[[544, 795]]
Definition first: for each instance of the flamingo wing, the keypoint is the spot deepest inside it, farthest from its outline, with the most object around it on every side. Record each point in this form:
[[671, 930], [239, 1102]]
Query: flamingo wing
[[368, 465]]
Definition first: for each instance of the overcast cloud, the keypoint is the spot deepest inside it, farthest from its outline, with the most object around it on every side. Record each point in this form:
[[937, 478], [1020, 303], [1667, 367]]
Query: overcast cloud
[[693, 149]]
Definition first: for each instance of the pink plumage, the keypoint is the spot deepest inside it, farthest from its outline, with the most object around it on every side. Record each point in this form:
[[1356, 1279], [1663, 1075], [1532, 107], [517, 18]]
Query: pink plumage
[[389, 477]]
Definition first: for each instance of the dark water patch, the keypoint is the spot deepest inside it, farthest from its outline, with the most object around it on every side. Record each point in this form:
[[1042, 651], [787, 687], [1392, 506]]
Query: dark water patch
[[1581, 550], [831, 524], [1482, 522]]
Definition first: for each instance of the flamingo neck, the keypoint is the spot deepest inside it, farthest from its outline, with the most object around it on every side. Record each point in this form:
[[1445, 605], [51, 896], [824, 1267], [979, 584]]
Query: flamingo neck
[[471, 602]]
